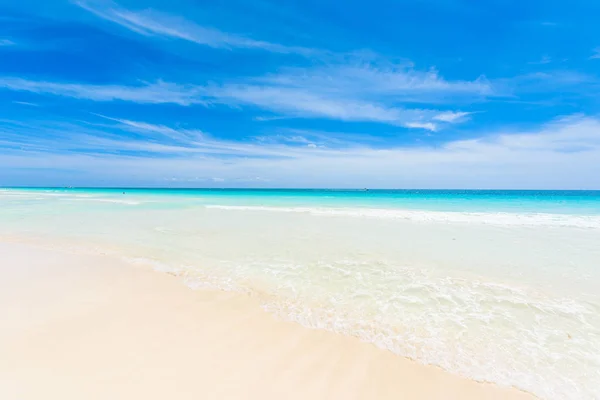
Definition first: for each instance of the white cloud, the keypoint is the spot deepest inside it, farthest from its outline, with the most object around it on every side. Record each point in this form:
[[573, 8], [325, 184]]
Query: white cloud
[[270, 118], [358, 86], [596, 53], [562, 154], [6, 42], [26, 103], [422, 125], [397, 82], [299, 102], [323, 139], [569, 136], [297, 139], [451, 116], [153, 93], [546, 59], [548, 82], [355, 92], [182, 135], [290, 101], [308, 93], [153, 23]]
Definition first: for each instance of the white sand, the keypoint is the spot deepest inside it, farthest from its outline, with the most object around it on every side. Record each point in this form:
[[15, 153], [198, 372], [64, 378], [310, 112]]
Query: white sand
[[90, 327]]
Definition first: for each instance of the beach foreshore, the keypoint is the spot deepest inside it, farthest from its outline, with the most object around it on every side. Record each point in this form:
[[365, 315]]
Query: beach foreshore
[[80, 326]]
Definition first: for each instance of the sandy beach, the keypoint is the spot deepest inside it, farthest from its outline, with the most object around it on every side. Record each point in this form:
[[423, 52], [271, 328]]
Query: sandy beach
[[90, 327], [309, 200]]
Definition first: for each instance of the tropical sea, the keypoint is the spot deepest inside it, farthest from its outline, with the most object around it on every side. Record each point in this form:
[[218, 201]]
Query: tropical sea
[[497, 286]]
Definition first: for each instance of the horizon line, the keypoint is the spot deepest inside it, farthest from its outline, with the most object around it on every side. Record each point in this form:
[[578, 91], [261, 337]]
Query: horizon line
[[357, 189]]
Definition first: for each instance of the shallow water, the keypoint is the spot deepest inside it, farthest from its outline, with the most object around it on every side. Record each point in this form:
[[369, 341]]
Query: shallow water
[[498, 286]]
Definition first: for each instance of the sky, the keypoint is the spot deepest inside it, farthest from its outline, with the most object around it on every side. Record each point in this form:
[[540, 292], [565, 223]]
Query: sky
[[300, 93]]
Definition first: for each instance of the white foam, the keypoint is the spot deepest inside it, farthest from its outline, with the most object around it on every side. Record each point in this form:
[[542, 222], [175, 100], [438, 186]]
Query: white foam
[[115, 201], [484, 330], [27, 194], [492, 218], [43, 195]]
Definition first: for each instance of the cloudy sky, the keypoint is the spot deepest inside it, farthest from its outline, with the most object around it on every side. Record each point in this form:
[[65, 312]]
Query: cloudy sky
[[303, 93]]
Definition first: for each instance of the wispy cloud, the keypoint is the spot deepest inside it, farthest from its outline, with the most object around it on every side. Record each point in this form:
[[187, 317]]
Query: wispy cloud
[[290, 100], [595, 53], [422, 125], [546, 59], [573, 82], [150, 22], [151, 93], [26, 103], [349, 87], [451, 116], [6, 42], [300, 102], [565, 135], [288, 139], [312, 93], [355, 89], [329, 139], [398, 82], [165, 139], [163, 131], [567, 146], [374, 91]]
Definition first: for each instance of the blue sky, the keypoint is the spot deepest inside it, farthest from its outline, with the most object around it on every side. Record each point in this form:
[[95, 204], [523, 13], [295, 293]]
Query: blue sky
[[394, 94]]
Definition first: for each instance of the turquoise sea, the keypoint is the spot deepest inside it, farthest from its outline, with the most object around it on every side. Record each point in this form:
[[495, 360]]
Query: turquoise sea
[[498, 286], [528, 201]]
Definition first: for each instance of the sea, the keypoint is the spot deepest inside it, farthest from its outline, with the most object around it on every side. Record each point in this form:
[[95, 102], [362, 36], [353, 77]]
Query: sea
[[499, 286]]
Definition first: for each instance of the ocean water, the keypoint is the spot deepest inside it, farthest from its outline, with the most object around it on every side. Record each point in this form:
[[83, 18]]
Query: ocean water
[[497, 286]]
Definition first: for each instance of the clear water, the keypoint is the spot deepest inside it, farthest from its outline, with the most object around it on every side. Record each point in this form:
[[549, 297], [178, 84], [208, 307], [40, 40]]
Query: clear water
[[498, 286], [584, 202]]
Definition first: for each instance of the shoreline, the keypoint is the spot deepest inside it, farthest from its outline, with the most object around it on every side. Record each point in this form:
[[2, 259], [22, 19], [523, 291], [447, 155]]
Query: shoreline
[[91, 326]]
